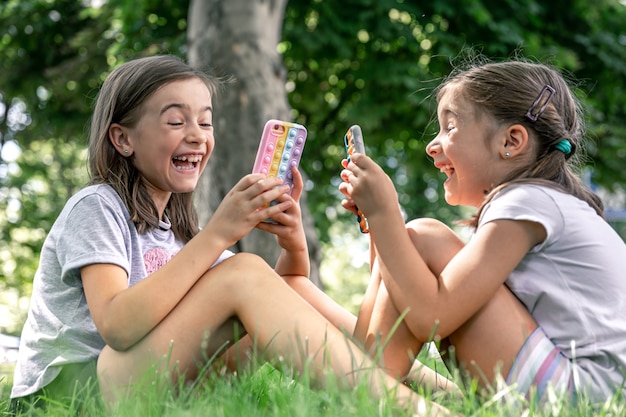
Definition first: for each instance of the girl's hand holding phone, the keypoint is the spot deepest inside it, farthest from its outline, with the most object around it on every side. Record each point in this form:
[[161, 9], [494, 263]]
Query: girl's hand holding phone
[[247, 204], [367, 186], [264, 195], [287, 225]]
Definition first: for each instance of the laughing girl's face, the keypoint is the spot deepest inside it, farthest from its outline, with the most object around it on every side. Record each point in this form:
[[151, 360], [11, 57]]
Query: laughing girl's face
[[464, 151], [172, 142]]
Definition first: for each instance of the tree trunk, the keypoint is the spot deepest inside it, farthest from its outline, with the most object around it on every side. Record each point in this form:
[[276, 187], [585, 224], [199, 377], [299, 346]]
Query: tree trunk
[[238, 38]]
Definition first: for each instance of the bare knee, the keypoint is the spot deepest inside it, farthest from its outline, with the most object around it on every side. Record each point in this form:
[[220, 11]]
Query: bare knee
[[246, 268], [435, 241], [245, 260], [429, 227], [246, 272]]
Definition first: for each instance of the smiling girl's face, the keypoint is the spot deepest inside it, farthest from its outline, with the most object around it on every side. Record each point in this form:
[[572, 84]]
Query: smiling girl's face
[[465, 151], [173, 139]]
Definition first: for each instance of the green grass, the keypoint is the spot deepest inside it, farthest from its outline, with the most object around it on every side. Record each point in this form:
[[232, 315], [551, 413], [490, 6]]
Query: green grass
[[266, 392]]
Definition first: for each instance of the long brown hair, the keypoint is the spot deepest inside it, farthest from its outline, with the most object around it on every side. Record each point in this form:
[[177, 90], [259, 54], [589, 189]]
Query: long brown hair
[[505, 91], [121, 100]]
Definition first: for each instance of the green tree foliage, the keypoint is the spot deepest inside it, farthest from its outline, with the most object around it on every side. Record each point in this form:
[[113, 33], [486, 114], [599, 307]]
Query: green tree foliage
[[371, 62], [55, 54], [375, 63]]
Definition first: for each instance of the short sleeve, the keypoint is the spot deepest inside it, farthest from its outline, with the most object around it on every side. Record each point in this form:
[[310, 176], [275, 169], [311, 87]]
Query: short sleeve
[[95, 231], [526, 202]]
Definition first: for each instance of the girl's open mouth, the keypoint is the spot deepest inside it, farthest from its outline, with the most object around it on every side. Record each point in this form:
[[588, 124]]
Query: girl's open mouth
[[186, 162]]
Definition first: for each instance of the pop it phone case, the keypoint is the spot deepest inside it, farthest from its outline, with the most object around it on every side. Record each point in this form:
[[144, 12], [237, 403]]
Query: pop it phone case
[[353, 139], [280, 149]]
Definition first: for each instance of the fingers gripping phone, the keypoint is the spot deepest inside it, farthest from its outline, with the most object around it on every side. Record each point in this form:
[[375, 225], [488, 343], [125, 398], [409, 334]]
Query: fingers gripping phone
[[280, 150], [353, 140]]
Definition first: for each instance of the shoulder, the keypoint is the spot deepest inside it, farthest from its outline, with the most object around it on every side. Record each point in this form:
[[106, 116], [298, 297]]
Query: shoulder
[[540, 199], [531, 192], [93, 222], [95, 198], [525, 197], [552, 208], [92, 208], [99, 191], [528, 202]]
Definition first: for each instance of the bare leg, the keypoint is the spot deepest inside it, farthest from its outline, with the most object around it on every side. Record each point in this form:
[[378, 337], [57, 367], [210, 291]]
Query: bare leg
[[237, 345], [489, 342], [400, 348], [486, 344], [283, 325], [378, 316], [381, 330], [329, 308]]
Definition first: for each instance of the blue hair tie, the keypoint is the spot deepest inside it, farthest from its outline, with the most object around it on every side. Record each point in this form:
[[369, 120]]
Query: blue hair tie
[[564, 146]]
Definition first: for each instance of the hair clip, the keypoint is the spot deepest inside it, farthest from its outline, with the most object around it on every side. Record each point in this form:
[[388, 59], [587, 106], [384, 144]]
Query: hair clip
[[546, 90]]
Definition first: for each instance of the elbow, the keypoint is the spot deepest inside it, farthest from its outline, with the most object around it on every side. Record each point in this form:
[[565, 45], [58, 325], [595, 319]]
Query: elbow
[[117, 338], [119, 345]]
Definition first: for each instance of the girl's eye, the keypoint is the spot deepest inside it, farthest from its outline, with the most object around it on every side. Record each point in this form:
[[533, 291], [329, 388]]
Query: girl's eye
[[175, 123], [450, 127], [206, 124]]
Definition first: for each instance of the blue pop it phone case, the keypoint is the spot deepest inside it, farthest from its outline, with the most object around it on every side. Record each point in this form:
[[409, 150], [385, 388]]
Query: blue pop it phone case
[[280, 149], [353, 140]]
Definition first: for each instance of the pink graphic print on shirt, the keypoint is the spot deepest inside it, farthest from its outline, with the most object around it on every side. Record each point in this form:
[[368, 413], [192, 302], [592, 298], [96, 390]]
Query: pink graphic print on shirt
[[155, 258]]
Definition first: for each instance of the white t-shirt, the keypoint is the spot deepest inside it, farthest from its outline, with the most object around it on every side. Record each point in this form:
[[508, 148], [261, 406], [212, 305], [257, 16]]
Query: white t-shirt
[[573, 283], [94, 227]]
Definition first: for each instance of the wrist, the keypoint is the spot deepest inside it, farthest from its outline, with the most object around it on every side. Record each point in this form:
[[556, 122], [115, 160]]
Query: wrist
[[385, 219], [216, 236], [292, 262], [298, 251]]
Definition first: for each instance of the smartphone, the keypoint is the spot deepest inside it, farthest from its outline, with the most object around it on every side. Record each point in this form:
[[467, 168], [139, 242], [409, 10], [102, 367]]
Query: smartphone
[[353, 141], [280, 150]]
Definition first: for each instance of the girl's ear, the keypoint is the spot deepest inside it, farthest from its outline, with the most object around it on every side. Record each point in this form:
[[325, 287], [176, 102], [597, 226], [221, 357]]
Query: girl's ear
[[119, 139], [516, 141]]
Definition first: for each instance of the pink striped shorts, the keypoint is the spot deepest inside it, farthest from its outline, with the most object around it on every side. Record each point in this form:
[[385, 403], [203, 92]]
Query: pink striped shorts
[[540, 364]]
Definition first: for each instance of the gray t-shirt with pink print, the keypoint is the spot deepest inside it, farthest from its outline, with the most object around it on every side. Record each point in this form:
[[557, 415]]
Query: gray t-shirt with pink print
[[92, 228]]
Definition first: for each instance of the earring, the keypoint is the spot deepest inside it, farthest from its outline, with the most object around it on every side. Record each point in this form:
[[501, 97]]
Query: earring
[[507, 154], [126, 151]]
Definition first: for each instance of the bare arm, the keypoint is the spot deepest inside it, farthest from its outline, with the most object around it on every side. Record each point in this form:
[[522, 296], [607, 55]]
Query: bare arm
[[294, 257], [123, 315], [469, 280], [465, 284], [294, 263]]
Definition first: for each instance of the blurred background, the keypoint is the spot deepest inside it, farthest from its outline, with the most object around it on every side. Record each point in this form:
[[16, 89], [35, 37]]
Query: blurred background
[[323, 63]]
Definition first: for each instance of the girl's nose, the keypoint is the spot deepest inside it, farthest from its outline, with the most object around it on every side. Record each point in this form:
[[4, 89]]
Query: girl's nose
[[196, 135], [433, 147]]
